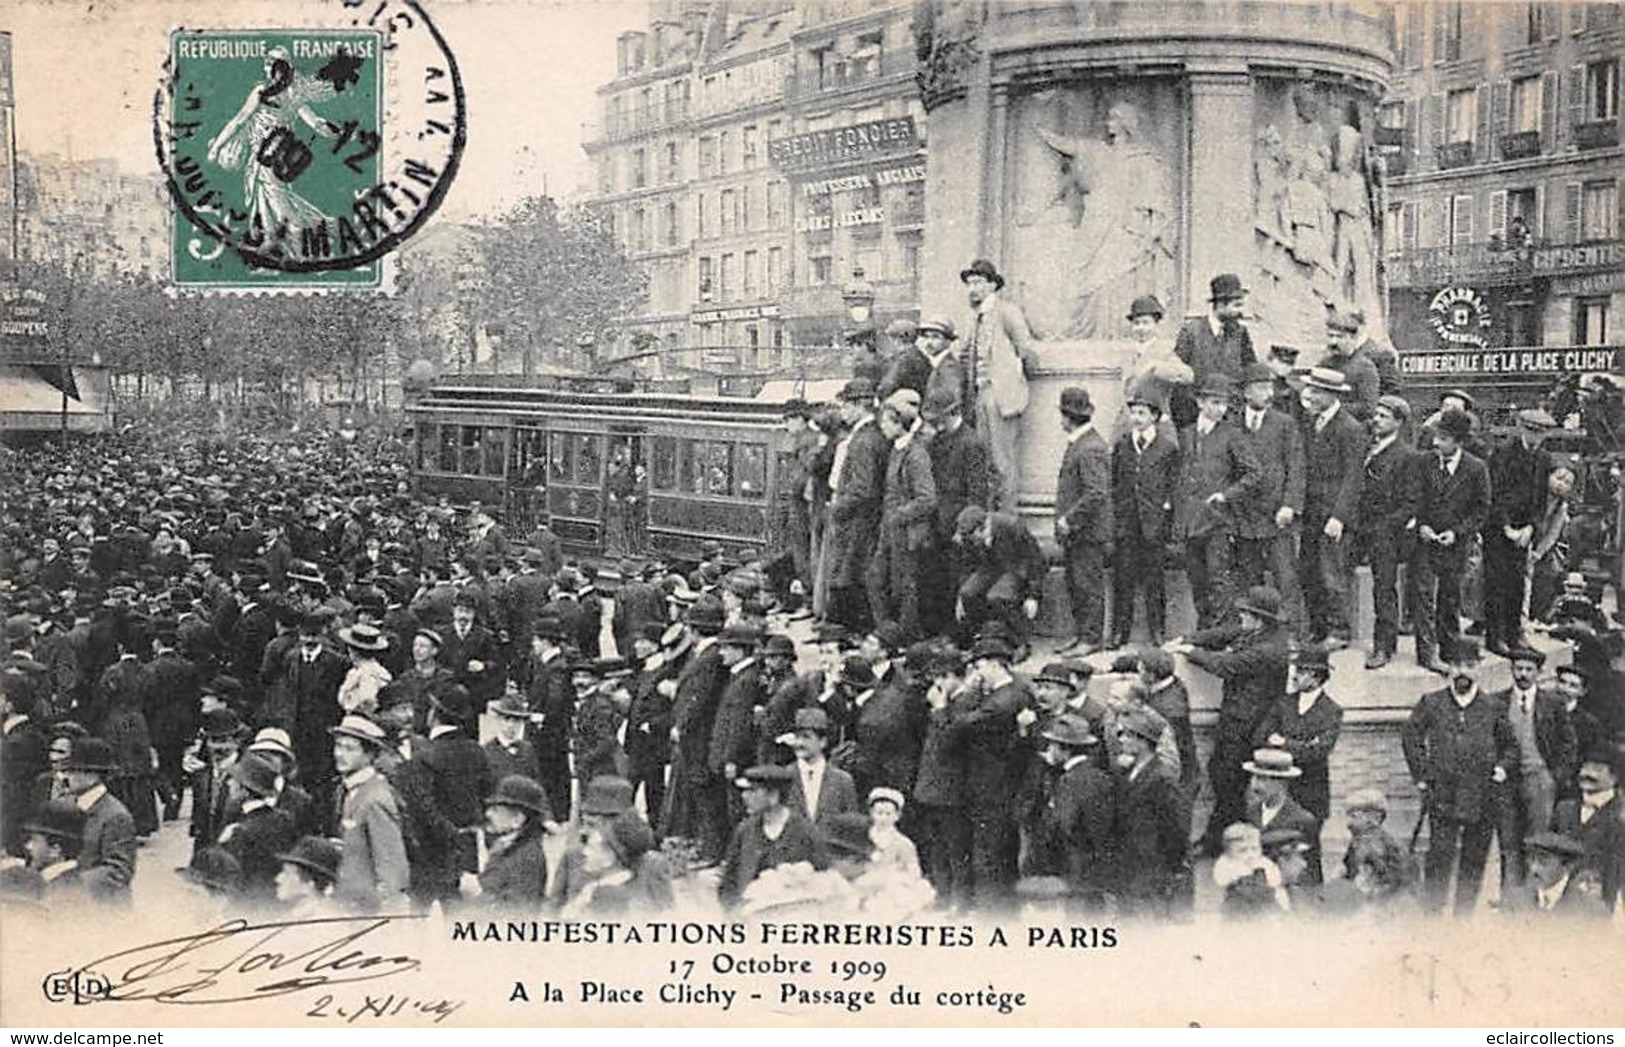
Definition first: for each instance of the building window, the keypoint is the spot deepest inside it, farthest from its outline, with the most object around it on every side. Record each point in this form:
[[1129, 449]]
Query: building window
[[1391, 115], [1526, 103], [670, 224], [639, 234], [911, 261], [640, 172], [818, 270], [747, 146], [1461, 220], [705, 279], [1461, 115], [1523, 216], [775, 204], [704, 214], [747, 221], [1411, 35], [753, 267], [725, 148], [674, 162], [1602, 90], [775, 270], [708, 156], [726, 209], [1447, 31], [822, 60], [1599, 211], [726, 281], [1591, 321]]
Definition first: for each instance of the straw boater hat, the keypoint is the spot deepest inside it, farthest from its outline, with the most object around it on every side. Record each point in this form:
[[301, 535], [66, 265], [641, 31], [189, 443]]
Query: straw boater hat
[[1328, 379], [364, 637], [1272, 763]]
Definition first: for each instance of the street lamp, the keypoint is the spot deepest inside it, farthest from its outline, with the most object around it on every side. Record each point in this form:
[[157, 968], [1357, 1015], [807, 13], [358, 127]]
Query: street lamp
[[859, 296]]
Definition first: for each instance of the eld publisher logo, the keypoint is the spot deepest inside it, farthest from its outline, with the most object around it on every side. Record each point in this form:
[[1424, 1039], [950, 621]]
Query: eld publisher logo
[[75, 986]]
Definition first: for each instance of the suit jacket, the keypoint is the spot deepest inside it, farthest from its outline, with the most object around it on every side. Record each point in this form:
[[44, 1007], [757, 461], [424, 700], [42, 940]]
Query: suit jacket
[[960, 470], [750, 852], [215, 805], [637, 604], [1151, 826], [1310, 737], [1459, 503], [1390, 490], [553, 696], [948, 376], [1361, 373], [888, 732], [909, 504], [1291, 816], [910, 369], [1603, 838], [107, 851], [1554, 735], [733, 732], [456, 779], [855, 509], [984, 730], [1518, 478], [1002, 337], [1219, 463], [522, 760], [837, 794], [597, 742], [480, 645], [1228, 352], [699, 689], [1013, 551], [1334, 458], [23, 758], [1455, 752], [1078, 818], [172, 699], [1143, 488], [1253, 668], [373, 871], [648, 728], [255, 840], [1083, 490], [516, 877]]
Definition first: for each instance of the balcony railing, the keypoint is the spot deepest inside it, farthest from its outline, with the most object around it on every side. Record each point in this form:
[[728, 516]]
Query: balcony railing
[[637, 120], [851, 74], [1597, 134], [1520, 145], [1455, 154], [1499, 262], [1388, 136]]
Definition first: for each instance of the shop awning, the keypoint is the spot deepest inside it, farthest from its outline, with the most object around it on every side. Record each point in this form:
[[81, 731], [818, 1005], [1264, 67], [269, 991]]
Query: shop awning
[[28, 402]]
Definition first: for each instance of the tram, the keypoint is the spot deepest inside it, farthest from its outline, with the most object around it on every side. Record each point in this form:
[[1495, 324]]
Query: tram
[[614, 470]]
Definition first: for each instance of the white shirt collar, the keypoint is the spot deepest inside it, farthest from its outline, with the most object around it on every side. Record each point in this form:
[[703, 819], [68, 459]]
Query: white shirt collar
[[1464, 700], [1382, 444], [1452, 463], [13, 721], [88, 798], [1550, 896], [1073, 762], [1325, 417], [987, 303], [740, 666], [1215, 324], [1307, 699], [1597, 800], [256, 803], [440, 729], [356, 779], [1147, 436], [936, 361], [1077, 434], [863, 698], [53, 872]]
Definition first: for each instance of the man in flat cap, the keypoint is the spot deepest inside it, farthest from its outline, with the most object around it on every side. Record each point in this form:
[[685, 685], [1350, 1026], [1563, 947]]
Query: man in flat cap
[[1384, 532], [373, 873], [1342, 343], [908, 516], [775, 832], [1559, 882], [1451, 509], [1083, 519], [1519, 471], [935, 343]]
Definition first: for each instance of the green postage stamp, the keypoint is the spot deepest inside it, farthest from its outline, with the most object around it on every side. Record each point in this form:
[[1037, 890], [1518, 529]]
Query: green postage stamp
[[299, 158]]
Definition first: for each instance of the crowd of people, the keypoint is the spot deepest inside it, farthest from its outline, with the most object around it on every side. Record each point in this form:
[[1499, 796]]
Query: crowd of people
[[365, 701]]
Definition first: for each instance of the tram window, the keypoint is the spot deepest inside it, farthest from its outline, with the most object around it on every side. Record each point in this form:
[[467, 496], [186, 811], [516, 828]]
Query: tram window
[[428, 440], [447, 462], [472, 451], [495, 450], [752, 471], [589, 454], [563, 448], [530, 457], [719, 468], [690, 467], [664, 477]]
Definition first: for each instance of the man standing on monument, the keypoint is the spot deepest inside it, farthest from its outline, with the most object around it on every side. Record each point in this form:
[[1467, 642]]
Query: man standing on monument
[[1218, 343], [1000, 357]]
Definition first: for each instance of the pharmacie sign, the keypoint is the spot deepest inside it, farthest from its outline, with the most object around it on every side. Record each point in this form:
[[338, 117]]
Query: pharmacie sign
[[1460, 316], [840, 144]]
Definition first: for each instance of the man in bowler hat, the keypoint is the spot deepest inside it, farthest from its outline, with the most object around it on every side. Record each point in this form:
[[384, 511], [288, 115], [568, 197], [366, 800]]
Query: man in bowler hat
[[1083, 519], [1218, 343], [999, 358]]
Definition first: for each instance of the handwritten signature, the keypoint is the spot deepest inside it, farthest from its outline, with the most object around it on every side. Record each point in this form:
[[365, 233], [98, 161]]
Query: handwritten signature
[[239, 961]]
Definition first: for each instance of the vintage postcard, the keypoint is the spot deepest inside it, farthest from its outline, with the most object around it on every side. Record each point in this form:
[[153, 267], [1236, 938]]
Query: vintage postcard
[[830, 513]]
